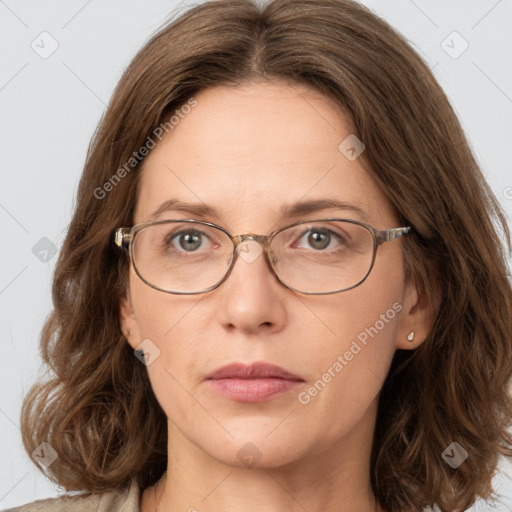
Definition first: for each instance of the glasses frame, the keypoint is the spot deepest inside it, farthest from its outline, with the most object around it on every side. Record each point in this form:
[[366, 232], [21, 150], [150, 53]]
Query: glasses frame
[[124, 238]]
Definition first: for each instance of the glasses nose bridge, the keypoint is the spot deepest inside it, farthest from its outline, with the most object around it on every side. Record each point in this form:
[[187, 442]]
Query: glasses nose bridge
[[263, 240]]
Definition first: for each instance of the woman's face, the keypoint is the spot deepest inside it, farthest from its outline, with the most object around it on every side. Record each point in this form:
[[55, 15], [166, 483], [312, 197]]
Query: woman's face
[[247, 152]]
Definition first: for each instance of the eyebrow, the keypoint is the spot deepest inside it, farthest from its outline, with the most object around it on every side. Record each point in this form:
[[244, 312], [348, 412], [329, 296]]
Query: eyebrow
[[297, 209]]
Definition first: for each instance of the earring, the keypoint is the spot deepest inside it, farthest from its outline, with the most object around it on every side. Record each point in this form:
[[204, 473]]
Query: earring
[[410, 336]]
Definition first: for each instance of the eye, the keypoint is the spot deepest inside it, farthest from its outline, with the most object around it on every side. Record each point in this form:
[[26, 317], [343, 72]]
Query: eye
[[319, 239], [187, 240]]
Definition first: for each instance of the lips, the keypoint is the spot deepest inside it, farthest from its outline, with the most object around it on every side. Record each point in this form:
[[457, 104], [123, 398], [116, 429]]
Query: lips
[[252, 371], [257, 382]]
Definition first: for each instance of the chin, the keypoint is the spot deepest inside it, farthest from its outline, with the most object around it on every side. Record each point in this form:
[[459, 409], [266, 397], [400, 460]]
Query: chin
[[256, 449]]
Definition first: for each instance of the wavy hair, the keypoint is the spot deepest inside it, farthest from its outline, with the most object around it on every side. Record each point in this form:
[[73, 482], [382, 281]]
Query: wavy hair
[[96, 407]]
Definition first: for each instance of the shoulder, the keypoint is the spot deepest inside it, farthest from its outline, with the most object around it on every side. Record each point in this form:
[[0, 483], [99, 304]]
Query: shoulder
[[124, 500]]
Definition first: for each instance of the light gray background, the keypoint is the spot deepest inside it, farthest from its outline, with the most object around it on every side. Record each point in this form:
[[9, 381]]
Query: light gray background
[[50, 107]]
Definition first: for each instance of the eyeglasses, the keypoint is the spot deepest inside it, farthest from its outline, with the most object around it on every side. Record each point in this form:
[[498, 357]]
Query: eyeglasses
[[312, 257]]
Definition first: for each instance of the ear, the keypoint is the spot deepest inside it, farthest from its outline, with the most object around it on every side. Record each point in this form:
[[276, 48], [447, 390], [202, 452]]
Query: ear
[[418, 316], [129, 324]]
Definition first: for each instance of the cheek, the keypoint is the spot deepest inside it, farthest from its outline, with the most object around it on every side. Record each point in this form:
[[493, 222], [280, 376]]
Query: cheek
[[349, 362], [167, 327], [158, 313], [166, 330], [348, 366]]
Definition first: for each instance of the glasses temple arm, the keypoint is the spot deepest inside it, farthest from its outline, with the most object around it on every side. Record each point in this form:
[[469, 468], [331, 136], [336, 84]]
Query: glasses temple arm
[[393, 233], [123, 238]]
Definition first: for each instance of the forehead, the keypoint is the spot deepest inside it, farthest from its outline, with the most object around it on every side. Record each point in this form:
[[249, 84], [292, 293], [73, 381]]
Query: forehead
[[247, 150]]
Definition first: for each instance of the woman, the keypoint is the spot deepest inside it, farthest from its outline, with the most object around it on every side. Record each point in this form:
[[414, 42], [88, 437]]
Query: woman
[[350, 352]]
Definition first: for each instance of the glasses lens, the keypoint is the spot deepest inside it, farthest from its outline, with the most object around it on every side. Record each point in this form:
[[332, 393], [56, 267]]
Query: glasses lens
[[323, 256], [182, 256]]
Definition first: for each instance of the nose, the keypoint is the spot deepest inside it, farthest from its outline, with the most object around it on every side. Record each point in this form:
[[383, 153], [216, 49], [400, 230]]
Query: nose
[[252, 299]]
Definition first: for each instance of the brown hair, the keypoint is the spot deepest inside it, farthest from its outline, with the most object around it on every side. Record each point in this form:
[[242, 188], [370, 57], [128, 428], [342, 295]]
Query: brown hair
[[97, 409]]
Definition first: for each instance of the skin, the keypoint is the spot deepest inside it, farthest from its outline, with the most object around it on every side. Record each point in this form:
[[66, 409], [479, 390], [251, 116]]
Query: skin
[[246, 151]]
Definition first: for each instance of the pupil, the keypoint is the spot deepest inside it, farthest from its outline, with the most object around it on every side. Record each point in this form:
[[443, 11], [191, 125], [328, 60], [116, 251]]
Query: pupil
[[319, 240]]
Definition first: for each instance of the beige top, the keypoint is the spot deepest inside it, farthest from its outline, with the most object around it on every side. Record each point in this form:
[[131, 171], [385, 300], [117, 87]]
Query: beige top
[[126, 500]]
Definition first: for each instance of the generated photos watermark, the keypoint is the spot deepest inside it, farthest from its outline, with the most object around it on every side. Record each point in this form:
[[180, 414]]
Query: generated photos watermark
[[138, 156], [351, 147], [44, 455], [356, 346], [454, 455], [147, 352]]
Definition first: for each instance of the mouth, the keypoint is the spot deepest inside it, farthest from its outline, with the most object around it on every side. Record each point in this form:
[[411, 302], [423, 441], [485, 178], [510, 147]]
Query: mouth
[[253, 383]]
